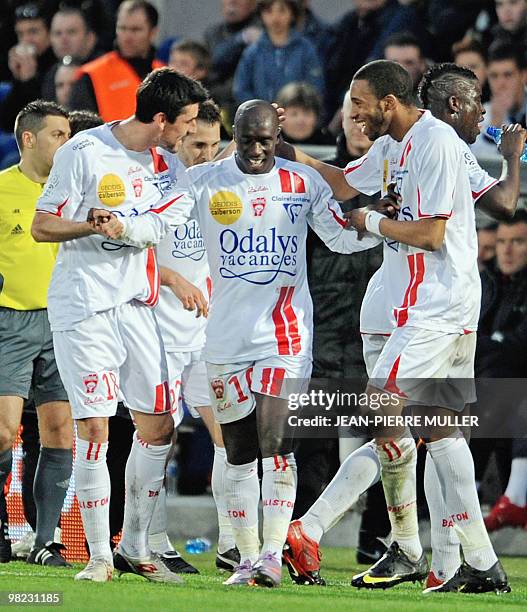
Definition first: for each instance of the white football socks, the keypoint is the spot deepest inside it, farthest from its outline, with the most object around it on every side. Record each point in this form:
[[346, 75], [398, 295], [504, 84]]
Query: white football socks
[[455, 470], [357, 474], [398, 459], [445, 543], [92, 486], [225, 535], [242, 494], [517, 486], [145, 471], [278, 498], [158, 539]]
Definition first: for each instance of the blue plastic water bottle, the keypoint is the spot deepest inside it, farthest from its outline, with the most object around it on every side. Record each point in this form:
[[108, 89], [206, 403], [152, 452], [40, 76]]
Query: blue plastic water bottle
[[495, 134], [197, 546]]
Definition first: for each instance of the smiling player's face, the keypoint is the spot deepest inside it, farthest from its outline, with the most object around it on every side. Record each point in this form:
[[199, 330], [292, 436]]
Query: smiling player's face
[[256, 140]]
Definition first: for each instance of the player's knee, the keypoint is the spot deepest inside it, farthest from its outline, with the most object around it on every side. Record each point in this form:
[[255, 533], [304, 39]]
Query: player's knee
[[274, 444], [241, 456], [93, 430], [162, 434], [7, 437]]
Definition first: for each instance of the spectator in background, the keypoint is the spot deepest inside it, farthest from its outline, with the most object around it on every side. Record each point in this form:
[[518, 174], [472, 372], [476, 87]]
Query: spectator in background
[[511, 27], [508, 101], [192, 59], [404, 48], [472, 55], [359, 36], [314, 29], [303, 107], [226, 42], [280, 56], [65, 77], [108, 84], [28, 61], [502, 353], [83, 120], [72, 37], [486, 245]]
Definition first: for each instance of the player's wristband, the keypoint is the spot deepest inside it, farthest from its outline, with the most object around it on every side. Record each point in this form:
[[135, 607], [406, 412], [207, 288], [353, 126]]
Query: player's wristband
[[373, 220]]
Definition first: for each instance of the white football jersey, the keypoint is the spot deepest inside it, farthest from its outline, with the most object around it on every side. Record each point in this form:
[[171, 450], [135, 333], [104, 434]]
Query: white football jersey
[[183, 250], [255, 227], [432, 290], [94, 273]]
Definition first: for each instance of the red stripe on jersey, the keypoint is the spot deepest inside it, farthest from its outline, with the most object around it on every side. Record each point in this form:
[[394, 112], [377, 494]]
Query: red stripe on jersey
[[422, 215], [401, 314], [152, 275], [88, 454], [162, 397], [278, 379], [342, 222], [60, 207], [285, 181], [292, 322], [349, 168], [395, 448], [165, 206], [477, 194], [209, 286], [406, 151], [276, 463], [391, 383], [266, 379], [160, 164], [387, 451], [466, 332], [279, 324], [300, 186]]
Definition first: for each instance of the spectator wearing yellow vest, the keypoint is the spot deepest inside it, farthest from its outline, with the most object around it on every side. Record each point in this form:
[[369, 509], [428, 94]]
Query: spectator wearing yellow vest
[[26, 345], [108, 84]]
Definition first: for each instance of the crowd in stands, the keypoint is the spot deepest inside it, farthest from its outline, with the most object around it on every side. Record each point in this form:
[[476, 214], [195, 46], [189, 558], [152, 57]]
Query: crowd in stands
[[92, 54]]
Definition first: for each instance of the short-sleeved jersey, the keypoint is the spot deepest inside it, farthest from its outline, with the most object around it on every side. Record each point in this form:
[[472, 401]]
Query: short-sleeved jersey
[[25, 265], [182, 250], [433, 290], [255, 228], [94, 274]]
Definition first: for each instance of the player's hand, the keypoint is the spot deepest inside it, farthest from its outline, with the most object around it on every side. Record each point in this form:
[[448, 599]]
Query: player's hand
[[190, 296], [389, 204], [357, 219], [512, 140], [105, 223]]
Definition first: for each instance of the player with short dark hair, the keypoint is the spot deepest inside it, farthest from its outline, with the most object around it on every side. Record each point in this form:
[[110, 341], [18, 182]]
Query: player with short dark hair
[[101, 295]]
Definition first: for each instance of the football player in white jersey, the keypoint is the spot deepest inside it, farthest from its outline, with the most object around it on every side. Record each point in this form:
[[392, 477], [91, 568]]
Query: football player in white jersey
[[182, 254], [431, 284], [253, 210], [107, 341], [452, 94]]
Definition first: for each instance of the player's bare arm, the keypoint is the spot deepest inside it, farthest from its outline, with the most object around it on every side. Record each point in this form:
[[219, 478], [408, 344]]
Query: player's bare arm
[[427, 234], [501, 201], [189, 295], [47, 227]]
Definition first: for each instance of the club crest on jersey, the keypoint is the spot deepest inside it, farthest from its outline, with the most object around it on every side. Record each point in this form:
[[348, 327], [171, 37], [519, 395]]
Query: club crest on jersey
[[90, 382], [137, 184], [225, 207], [292, 210], [258, 205]]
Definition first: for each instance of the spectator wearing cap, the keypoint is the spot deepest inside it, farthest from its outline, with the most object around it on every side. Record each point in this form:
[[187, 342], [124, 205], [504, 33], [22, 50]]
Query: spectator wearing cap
[[28, 61], [108, 84], [280, 56]]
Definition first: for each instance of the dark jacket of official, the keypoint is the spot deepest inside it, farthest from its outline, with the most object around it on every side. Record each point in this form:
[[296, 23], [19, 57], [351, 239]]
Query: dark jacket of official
[[337, 284], [502, 335]]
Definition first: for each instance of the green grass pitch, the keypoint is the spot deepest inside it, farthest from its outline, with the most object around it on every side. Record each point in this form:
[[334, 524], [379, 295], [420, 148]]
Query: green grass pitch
[[205, 592]]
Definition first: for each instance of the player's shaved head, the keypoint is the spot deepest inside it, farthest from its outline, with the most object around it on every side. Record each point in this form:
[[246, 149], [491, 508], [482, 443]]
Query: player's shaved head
[[255, 112], [256, 129]]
